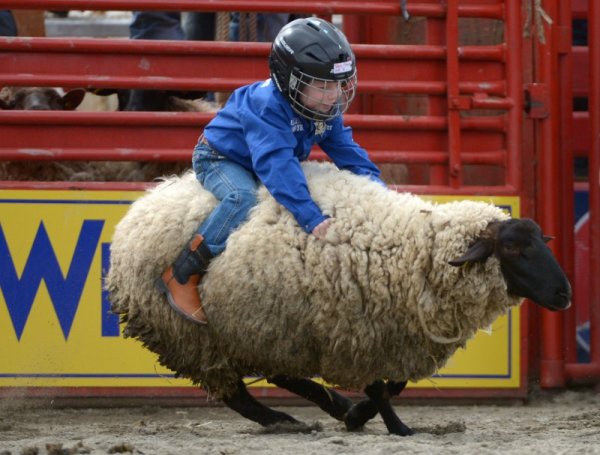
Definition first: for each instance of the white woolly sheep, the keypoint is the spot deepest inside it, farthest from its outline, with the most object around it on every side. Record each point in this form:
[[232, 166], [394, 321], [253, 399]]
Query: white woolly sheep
[[377, 299]]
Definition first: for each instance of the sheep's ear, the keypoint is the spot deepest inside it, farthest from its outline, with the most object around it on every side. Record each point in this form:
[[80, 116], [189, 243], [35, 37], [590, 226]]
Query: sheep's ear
[[479, 251], [547, 238], [73, 98]]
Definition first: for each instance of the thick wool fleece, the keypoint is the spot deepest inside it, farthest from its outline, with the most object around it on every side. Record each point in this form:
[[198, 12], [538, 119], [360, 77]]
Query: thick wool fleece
[[375, 299]]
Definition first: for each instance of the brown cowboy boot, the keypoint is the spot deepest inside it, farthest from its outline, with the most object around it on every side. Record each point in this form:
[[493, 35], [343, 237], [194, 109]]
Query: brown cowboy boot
[[180, 281]]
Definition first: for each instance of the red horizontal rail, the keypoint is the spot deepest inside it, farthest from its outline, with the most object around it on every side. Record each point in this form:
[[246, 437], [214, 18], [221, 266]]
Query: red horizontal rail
[[390, 7], [579, 8], [39, 132], [184, 154], [43, 185], [581, 140], [494, 88], [140, 186], [170, 136], [220, 48], [581, 73], [195, 119]]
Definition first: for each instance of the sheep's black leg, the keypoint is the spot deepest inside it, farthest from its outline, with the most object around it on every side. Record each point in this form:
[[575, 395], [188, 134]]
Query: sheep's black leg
[[245, 404], [365, 410], [333, 403], [379, 393]]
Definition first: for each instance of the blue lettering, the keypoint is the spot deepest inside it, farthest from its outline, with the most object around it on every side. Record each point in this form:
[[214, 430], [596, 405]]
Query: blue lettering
[[110, 321], [65, 293]]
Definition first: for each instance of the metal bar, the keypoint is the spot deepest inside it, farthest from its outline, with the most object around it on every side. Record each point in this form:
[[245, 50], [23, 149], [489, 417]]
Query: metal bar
[[580, 77], [583, 373], [390, 7], [452, 74], [579, 8], [43, 185], [503, 190], [225, 83], [492, 103], [196, 119], [587, 143], [594, 178], [436, 35], [514, 88], [552, 365], [566, 183], [495, 157], [581, 141], [495, 53]]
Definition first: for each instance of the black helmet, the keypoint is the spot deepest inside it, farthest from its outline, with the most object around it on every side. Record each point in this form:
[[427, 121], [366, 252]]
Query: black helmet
[[313, 66]]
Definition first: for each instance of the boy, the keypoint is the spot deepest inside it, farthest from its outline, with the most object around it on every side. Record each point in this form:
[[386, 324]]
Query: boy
[[261, 135]]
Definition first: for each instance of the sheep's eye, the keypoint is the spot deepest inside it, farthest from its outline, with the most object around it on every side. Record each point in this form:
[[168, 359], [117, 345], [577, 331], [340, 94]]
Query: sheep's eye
[[511, 248]]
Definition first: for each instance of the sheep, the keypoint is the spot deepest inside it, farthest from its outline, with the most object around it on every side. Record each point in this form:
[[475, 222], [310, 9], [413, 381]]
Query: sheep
[[158, 100], [39, 98], [398, 285]]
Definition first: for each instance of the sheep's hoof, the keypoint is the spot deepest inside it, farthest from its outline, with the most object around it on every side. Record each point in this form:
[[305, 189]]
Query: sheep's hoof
[[402, 430], [352, 422]]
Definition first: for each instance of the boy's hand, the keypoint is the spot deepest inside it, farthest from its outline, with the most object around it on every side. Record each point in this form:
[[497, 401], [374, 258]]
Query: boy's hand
[[320, 229]]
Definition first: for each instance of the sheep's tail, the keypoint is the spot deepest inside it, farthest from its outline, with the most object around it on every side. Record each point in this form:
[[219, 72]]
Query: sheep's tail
[[436, 338]]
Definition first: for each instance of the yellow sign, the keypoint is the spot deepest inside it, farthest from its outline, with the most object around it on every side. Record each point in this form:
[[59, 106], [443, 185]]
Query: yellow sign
[[56, 329]]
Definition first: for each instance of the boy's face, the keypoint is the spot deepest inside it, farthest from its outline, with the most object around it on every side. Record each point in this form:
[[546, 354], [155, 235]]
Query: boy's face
[[321, 99], [321, 96]]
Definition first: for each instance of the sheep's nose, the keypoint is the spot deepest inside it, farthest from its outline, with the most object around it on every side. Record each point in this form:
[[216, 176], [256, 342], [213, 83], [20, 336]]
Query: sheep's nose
[[565, 296]]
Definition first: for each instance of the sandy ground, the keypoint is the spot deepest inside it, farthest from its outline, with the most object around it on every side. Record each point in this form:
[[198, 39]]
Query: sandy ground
[[567, 423]]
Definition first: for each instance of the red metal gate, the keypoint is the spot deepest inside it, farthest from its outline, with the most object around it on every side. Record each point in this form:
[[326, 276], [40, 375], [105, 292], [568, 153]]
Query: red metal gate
[[448, 134]]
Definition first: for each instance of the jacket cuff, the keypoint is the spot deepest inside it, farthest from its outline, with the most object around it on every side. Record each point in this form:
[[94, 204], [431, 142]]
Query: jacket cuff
[[308, 227]]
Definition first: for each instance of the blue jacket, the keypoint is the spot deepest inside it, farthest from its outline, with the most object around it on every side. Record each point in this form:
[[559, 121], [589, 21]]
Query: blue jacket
[[259, 130]]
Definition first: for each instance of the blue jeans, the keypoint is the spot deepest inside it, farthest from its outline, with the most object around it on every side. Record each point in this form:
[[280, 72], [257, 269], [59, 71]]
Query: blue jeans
[[233, 185], [170, 25], [8, 26], [156, 25]]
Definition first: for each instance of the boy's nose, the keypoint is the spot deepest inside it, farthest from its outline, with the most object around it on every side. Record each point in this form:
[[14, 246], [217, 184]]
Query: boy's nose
[[333, 93]]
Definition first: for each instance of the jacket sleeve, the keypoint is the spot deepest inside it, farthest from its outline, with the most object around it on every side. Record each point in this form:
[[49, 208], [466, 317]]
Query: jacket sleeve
[[271, 142]]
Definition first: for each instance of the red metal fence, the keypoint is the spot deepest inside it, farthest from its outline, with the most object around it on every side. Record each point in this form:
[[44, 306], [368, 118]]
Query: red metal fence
[[437, 143]]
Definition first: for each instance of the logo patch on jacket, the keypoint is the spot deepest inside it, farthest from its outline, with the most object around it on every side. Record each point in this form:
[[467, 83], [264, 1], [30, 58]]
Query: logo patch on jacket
[[319, 128], [296, 125]]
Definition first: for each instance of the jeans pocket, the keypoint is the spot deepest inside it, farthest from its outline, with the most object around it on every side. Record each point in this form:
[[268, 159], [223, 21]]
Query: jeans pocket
[[202, 159]]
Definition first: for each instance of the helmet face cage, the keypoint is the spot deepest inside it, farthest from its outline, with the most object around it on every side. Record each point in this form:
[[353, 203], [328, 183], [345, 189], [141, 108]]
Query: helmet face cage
[[320, 99]]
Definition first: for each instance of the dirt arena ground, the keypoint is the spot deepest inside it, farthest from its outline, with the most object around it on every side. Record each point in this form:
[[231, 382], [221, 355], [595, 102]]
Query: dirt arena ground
[[564, 423]]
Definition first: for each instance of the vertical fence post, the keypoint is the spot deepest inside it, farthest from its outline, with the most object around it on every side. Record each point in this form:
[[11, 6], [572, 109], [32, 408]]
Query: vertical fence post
[[590, 372], [453, 94], [594, 176], [552, 362]]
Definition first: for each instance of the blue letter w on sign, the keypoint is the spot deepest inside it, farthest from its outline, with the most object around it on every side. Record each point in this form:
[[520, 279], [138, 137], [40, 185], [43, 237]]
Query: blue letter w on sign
[[65, 292]]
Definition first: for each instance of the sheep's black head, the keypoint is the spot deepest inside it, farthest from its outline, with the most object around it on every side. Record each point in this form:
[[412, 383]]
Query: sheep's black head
[[528, 265], [39, 99]]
